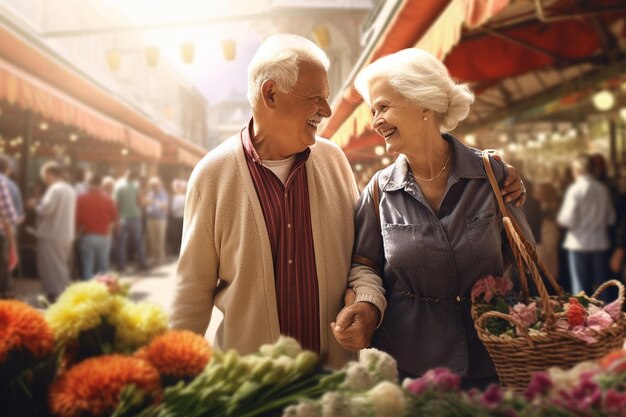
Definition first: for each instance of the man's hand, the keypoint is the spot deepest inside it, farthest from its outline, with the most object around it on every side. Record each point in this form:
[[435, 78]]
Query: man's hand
[[355, 325], [513, 189]]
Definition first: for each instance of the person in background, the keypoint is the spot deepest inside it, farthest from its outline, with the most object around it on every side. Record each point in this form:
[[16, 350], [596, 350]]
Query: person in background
[[618, 257], [548, 249], [81, 180], [10, 240], [586, 213], [56, 219], [9, 219], [156, 212], [108, 185], [436, 228], [14, 190], [127, 201], [96, 215], [179, 189]]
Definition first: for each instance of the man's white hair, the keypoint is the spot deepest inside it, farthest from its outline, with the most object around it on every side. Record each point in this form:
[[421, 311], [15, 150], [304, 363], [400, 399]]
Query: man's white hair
[[422, 79], [278, 59]]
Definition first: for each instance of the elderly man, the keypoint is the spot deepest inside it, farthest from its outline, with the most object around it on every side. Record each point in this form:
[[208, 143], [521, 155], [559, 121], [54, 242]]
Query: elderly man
[[269, 220], [56, 218]]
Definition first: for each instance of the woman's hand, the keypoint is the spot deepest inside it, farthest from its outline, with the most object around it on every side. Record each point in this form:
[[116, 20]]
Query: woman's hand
[[513, 189]]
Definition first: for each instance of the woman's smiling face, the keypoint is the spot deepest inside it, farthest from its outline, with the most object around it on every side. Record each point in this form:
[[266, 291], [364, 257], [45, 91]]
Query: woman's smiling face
[[396, 119]]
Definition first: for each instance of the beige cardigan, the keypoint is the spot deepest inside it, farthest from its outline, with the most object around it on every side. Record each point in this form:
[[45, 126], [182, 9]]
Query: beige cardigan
[[226, 258]]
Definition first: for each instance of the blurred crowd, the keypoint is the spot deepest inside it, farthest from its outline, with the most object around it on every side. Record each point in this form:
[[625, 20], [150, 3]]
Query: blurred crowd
[[578, 218], [87, 226]]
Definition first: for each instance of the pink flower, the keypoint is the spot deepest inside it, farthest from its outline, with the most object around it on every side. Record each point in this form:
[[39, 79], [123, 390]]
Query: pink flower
[[584, 333], [492, 397], [526, 314], [614, 402], [489, 286], [112, 283], [614, 309], [540, 384], [583, 397], [599, 321], [439, 379]]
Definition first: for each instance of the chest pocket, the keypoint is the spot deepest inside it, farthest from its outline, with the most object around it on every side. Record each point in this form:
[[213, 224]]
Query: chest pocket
[[483, 233], [404, 246]]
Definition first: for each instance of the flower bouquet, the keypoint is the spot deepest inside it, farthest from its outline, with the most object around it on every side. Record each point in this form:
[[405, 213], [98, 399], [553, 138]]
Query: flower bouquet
[[524, 334]]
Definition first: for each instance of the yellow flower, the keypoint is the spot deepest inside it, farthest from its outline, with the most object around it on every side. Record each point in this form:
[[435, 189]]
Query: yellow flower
[[137, 324], [81, 307]]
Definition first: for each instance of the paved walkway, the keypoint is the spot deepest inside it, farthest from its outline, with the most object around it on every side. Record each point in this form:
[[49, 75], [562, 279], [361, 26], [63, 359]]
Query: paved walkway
[[156, 286]]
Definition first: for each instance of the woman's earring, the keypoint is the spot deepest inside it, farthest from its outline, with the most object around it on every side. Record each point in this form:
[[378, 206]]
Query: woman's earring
[[425, 118]]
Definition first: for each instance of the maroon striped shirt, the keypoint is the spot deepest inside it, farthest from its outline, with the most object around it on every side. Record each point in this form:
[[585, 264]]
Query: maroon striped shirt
[[288, 221]]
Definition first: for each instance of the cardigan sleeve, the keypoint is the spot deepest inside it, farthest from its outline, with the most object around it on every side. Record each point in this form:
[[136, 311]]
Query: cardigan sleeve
[[197, 276]]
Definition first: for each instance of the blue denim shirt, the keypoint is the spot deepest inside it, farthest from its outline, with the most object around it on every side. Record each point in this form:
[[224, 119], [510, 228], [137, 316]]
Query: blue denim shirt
[[431, 261]]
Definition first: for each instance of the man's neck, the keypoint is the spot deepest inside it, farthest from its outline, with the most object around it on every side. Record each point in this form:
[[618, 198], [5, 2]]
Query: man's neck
[[265, 144]]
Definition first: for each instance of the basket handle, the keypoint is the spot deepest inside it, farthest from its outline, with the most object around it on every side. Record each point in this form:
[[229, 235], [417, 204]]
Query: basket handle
[[611, 283], [518, 325], [505, 213], [523, 251]]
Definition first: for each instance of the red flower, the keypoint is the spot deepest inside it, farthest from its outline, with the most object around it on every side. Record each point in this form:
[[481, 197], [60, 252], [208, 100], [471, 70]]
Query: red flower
[[22, 327], [576, 313], [177, 353], [93, 387]]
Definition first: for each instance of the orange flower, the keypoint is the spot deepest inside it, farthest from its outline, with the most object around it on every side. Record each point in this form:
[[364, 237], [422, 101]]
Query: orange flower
[[576, 313], [177, 353], [22, 327], [614, 361], [93, 387]]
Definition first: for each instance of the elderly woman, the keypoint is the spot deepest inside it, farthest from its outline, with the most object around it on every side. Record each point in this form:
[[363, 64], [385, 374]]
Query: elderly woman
[[437, 229]]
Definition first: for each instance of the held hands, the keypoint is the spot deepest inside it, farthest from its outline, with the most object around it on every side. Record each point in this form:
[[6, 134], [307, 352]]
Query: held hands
[[513, 189], [355, 323]]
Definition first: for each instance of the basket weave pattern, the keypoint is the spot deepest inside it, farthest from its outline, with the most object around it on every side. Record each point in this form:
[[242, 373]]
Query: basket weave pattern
[[517, 358]]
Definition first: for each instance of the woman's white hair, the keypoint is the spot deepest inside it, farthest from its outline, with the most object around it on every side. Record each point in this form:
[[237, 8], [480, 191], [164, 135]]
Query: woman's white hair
[[278, 59], [422, 79]]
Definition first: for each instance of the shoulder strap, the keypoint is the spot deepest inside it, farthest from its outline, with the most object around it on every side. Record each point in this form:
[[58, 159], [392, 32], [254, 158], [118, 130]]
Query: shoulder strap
[[494, 184], [375, 190]]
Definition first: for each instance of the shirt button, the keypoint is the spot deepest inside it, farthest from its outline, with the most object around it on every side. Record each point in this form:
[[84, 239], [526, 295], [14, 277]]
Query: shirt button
[[458, 298], [290, 262]]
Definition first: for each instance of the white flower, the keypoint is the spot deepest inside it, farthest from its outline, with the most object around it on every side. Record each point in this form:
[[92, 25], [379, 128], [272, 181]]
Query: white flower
[[284, 346], [360, 406], [308, 410], [288, 346], [387, 368], [358, 377], [304, 409], [370, 357], [335, 405], [387, 400]]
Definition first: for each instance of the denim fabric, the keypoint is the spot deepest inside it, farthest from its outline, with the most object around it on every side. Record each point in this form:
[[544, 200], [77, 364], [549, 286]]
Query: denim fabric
[[588, 270], [130, 228], [94, 254], [430, 261]]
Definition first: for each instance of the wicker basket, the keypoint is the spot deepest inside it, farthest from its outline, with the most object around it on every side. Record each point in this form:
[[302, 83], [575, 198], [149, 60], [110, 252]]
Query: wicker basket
[[516, 359]]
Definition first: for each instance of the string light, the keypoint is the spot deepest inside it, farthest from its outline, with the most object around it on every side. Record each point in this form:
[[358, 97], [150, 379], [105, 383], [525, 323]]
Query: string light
[[603, 100]]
